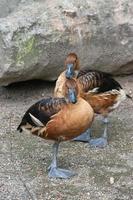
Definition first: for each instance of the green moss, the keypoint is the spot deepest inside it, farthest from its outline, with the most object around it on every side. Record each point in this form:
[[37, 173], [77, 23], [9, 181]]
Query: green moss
[[25, 48]]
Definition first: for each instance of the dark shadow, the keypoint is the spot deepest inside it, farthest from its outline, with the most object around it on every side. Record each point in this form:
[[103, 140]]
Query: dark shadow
[[30, 84]]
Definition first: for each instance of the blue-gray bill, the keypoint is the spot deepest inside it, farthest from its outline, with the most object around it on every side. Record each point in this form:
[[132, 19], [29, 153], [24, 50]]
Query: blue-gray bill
[[69, 71], [72, 97]]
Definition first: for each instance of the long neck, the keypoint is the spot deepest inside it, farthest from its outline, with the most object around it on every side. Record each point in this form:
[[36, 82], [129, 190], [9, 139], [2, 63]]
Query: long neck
[[58, 91]]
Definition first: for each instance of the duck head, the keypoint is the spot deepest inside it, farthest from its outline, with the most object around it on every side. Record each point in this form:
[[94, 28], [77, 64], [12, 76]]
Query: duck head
[[71, 90], [71, 65], [72, 97]]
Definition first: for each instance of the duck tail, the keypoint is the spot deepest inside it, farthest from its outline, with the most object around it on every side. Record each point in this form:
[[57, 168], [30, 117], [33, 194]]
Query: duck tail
[[19, 128]]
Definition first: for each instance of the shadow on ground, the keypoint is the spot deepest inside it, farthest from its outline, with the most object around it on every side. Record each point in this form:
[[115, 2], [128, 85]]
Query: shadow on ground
[[104, 174]]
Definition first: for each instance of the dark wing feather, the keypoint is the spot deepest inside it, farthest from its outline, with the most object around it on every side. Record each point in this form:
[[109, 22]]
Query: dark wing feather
[[42, 110], [108, 84], [91, 79], [96, 72]]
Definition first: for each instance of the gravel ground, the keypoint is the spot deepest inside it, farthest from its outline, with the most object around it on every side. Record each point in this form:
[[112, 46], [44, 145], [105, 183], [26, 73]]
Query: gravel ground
[[103, 174]]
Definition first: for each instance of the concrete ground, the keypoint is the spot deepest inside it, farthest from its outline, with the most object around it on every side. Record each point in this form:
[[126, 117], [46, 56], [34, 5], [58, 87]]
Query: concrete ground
[[103, 174]]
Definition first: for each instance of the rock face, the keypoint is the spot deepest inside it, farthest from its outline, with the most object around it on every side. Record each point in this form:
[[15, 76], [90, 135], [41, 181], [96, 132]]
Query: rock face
[[36, 36]]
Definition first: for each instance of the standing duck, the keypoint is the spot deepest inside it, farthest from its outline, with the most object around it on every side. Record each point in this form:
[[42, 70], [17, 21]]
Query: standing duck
[[99, 89], [59, 119]]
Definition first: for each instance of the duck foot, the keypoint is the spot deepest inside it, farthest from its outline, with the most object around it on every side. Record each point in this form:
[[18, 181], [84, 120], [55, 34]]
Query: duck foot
[[84, 137], [60, 173], [98, 142]]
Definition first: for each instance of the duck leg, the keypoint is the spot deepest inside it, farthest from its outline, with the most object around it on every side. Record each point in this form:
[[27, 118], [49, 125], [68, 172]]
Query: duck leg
[[84, 137], [102, 141], [54, 171]]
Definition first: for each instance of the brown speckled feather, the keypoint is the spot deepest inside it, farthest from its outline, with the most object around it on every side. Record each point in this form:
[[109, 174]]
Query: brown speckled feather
[[42, 110], [88, 82], [97, 81]]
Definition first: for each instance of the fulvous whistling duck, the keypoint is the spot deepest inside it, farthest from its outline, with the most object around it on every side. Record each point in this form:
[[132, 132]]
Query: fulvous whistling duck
[[59, 119], [99, 89]]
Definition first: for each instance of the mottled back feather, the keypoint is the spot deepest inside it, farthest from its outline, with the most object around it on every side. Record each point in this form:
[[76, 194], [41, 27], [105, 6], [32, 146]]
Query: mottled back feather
[[90, 79], [43, 110]]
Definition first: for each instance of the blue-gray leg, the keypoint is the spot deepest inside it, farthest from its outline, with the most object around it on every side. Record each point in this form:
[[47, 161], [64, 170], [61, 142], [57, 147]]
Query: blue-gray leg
[[54, 171], [84, 137], [102, 141]]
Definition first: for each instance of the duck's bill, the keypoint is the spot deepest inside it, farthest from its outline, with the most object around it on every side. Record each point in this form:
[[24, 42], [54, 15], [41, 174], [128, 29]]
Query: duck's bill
[[72, 96], [70, 71]]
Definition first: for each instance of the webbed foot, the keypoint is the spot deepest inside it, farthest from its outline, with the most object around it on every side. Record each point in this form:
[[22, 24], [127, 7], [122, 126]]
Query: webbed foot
[[60, 173], [98, 142], [84, 137]]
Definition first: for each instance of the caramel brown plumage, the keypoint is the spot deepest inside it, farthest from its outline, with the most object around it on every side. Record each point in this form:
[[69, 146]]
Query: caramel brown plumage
[[59, 119], [102, 92], [62, 120], [99, 89], [102, 103], [72, 58]]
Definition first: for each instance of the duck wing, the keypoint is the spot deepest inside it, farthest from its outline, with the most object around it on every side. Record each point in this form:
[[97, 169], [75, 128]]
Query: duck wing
[[96, 82], [42, 111]]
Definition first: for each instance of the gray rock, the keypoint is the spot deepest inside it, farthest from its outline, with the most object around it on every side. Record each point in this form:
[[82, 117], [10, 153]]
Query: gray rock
[[36, 36], [8, 6]]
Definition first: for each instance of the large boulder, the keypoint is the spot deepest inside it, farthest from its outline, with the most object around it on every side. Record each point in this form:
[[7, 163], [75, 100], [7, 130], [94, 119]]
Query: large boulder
[[36, 36]]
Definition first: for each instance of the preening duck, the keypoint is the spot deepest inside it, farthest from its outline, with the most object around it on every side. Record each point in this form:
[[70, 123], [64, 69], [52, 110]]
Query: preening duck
[[99, 89], [59, 119]]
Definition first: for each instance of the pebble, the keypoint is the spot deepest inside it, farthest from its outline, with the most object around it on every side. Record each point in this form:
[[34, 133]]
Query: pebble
[[111, 180]]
